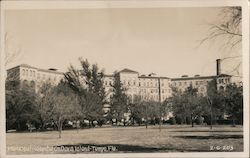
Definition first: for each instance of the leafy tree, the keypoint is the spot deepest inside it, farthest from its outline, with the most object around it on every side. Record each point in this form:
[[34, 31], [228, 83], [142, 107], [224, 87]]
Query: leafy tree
[[139, 110], [234, 102], [20, 106], [187, 105], [87, 83], [119, 100], [216, 108]]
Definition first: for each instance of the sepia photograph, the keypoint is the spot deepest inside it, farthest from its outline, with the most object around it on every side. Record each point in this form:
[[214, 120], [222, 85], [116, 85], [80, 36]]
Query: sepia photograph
[[107, 78]]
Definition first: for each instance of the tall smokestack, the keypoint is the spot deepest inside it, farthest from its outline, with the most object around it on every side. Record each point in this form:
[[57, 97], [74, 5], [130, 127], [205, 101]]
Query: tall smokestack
[[218, 67]]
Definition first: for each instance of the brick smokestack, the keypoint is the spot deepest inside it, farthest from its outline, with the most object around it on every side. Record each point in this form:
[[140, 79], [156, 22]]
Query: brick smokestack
[[218, 67]]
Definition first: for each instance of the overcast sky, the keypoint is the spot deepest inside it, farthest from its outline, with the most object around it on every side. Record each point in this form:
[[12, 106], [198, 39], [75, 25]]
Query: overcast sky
[[164, 40]]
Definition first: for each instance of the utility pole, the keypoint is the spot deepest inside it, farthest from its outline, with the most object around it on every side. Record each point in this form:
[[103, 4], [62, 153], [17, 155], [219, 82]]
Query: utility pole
[[159, 88], [211, 112]]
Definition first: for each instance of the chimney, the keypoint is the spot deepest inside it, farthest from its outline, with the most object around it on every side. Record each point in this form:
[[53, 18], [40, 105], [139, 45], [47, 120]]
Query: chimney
[[218, 67]]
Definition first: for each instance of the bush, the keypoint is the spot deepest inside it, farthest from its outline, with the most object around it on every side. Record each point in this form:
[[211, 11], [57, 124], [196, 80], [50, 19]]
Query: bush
[[199, 120], [172, 121]]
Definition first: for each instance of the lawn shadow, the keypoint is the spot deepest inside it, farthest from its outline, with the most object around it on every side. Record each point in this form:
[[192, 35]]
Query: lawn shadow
[[212, 137]]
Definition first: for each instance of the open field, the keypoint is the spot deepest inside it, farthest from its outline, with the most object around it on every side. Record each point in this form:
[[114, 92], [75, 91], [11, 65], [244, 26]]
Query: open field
[[172, 138]]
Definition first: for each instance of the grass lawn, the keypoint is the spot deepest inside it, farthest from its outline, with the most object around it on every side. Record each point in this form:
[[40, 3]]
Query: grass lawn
[[171, 138]]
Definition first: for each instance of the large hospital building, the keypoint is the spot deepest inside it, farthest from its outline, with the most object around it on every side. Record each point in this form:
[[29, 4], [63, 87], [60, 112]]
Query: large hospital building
[[150, 87]]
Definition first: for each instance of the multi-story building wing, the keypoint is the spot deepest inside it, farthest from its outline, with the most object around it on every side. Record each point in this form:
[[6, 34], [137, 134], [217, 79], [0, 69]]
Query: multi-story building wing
[[201, 82], [154, 88], [150, 87], [33, 76]]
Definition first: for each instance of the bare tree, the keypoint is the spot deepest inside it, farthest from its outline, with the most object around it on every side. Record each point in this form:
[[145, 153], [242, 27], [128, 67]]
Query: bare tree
[[227, 27], [11, 51]]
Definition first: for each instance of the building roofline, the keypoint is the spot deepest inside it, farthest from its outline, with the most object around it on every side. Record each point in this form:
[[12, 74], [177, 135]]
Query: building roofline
[[200, 77], [153, 77], [128, 71], [39, 69]]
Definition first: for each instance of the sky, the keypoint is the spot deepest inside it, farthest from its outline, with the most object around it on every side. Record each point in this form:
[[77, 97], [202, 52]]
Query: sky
[[165, 41]]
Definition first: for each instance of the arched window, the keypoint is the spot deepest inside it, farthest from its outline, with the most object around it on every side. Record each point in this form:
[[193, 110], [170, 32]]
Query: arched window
[[23, 72], [32, 84], [25, 83]]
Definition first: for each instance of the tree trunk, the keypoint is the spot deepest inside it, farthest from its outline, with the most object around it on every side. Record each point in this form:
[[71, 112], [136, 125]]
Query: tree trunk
[[192, 121], [234, 122], [18, 126], [146, 123], [89, 124], [60, 129]]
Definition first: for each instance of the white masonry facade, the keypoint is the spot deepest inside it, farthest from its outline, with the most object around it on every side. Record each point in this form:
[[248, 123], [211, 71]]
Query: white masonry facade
[[150, 87]]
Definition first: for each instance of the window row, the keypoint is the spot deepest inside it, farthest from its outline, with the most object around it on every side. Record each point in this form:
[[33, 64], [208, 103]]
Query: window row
[[26, 72], [224, 80], [188, 83]]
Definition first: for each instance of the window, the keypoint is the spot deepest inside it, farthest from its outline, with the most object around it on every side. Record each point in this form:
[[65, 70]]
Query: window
[[32, 84], [38, 75], [162, 84], [221, 88], [106, 83], [179, 83], [202, 89], [197, 82], [185, 83], [27, 72], [30, 72], [134, 83], [23, 72], [139, 84], [43, 76]]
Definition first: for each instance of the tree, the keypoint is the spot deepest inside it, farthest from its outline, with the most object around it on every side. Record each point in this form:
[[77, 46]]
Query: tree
[[187, 105], [11, 53], [87, 83], [216, 102], [234, 102], [139, 110], [228, 27], [119, 100], [57, 104], [44, 105], [20, 106], [63, 106]]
